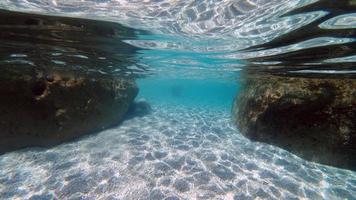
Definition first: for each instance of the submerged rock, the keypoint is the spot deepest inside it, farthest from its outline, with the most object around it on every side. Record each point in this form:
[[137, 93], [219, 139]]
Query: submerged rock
[[37, 111], [315, 118], [139, 108], [61, 78]]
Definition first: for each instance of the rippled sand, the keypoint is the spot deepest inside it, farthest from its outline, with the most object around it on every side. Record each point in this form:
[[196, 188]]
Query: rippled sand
[[172, 153]]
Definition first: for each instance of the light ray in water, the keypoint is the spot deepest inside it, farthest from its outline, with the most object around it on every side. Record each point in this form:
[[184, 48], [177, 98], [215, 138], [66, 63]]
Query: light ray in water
[[173, 152], [192, 60]]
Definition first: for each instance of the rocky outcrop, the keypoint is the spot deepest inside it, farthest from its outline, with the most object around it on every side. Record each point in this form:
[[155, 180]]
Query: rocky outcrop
[[312, 117], [46, 109], [61, 78]]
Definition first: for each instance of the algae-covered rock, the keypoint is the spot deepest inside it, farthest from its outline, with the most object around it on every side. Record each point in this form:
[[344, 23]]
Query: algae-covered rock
[[43, 110], [61, 78], [315, 118]]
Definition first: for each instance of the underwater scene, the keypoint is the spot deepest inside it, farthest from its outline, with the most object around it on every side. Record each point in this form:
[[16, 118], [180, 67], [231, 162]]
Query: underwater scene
[[177, 99]]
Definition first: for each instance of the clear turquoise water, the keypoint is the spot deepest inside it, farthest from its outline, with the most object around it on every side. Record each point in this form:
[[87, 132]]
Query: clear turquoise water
[[189, 62], [215, 94]]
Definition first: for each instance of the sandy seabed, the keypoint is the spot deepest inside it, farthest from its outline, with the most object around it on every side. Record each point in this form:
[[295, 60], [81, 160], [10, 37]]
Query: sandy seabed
[[172, 153]]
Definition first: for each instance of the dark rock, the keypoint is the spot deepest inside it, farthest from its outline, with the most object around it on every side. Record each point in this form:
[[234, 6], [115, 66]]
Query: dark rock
[[315, 118], [53, 86], [64, 110], [138, 109]]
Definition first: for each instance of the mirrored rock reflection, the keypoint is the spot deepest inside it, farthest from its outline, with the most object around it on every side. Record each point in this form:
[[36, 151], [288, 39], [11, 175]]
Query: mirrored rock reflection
[[164, 153], [48, 43], [62, 78]]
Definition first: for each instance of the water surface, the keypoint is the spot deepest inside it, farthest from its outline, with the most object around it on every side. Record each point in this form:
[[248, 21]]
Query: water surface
[[188, 58]]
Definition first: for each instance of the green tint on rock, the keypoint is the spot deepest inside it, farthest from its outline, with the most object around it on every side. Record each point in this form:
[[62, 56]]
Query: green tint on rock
[[43, 111], [311, 117], [59, 78]]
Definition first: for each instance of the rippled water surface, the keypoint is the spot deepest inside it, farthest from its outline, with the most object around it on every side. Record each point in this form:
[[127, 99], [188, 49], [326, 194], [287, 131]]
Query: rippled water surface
[[224, 36], [188, 57]]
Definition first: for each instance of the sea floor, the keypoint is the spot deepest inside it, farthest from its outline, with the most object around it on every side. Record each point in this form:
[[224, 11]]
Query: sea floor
[[171, 153]]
